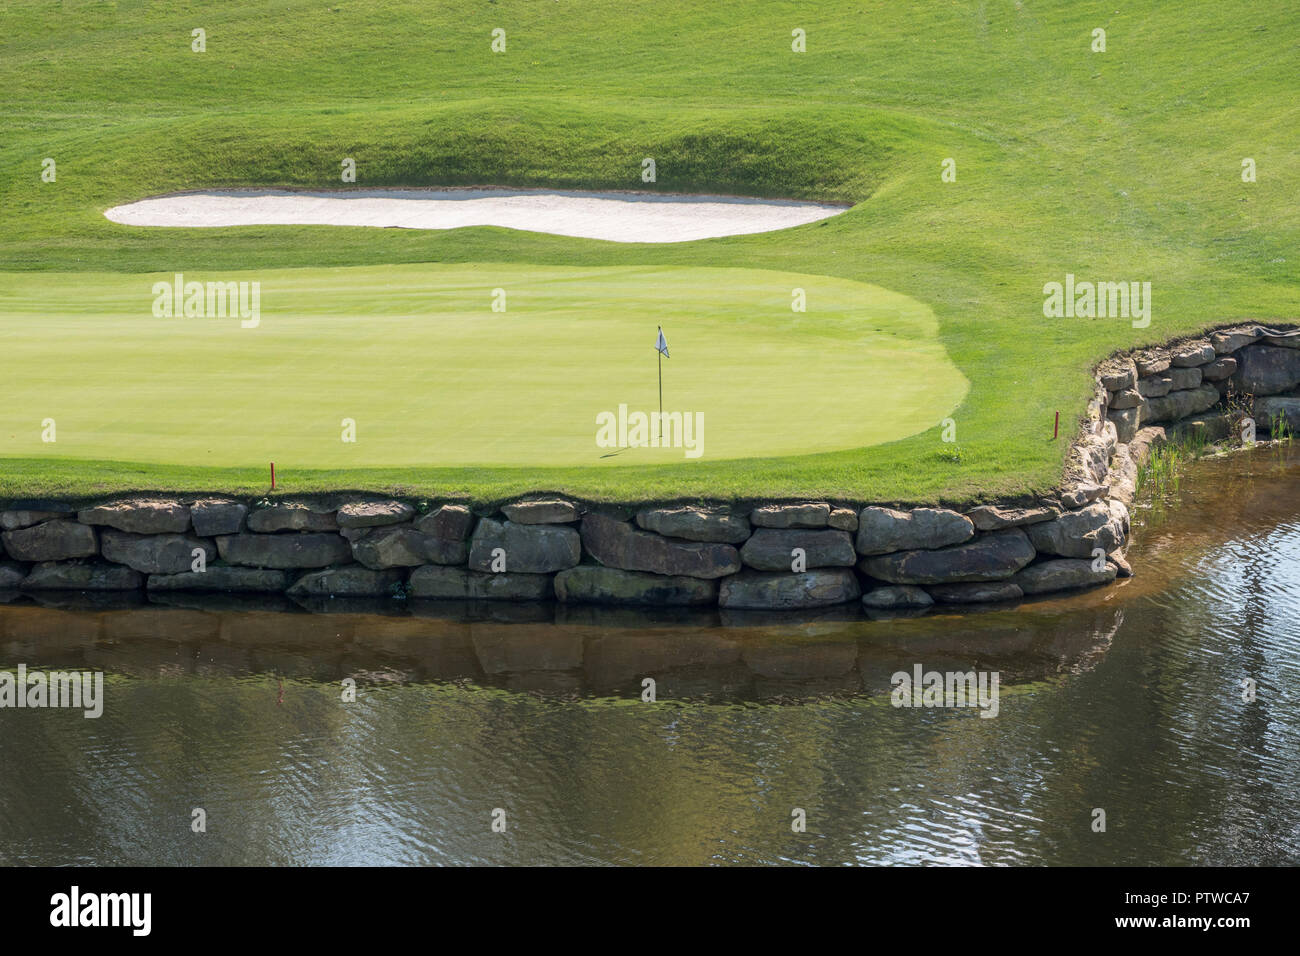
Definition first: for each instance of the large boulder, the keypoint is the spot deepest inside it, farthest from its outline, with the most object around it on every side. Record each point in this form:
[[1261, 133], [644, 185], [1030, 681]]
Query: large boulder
[[1191, 354], [529, 549], [440, 537], [283, 551], [541, 511], [770, 549], [1230, 340], [811, 515], [696, 524], [1180, 404], [1219, 369], [154, 553], [401, 546], [214, 516], [1122, 568], [56, 540], [448, 526], [221, 577], [1266, 370], [1089, 457], [1126, 422], [140, 516], [595, 584], [292, 516], [26, 517], [1078, 495], [1063, 574], [1151, 361], [373, 514], [90, 576], [1184, 378], [11, 575], [1117, 375], [1275, 408], [1145, 441], [976, 592], [446, 583], [348, 581], [884, 530], [1154, 387], [1129, 398], [777, 591], [616, 544], [990, 557], [896, 595], [1102, 524], [1213, 426], [1123, 475], [843, 519]]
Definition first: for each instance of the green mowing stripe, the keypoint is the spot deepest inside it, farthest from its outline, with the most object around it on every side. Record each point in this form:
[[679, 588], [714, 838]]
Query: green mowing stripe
[[433, 377]]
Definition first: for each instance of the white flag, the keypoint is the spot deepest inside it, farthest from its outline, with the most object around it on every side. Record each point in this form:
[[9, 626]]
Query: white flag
[[662, 344]]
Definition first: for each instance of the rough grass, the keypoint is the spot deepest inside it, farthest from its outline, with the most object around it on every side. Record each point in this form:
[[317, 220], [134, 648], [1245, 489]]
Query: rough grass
[[1123, 165]]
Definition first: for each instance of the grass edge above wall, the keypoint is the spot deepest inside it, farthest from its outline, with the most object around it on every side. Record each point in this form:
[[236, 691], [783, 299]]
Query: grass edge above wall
[[1118, 165]]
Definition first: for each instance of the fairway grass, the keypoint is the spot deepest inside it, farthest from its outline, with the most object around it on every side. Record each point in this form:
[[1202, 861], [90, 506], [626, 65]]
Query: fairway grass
[[431, 376], [1122, 166]]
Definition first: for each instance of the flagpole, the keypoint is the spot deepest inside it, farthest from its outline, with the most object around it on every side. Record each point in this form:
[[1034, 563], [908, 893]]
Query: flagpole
[[661, 387]]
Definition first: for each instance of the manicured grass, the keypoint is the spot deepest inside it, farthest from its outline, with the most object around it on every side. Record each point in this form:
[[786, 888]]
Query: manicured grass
[[1123, 165], [431, 376]]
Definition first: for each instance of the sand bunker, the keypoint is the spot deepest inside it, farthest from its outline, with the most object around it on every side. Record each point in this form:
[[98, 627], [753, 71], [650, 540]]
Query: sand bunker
[[617, 217]]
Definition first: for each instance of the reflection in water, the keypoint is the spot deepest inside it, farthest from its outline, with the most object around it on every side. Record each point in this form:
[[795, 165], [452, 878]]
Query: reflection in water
[[1126, 698]]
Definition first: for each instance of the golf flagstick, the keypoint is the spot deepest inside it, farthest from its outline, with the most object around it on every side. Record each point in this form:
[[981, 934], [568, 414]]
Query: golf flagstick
[[661, 346]]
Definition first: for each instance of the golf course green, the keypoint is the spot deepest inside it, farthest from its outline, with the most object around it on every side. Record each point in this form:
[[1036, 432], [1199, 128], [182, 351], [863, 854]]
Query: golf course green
[[988, 148], [428, 373]]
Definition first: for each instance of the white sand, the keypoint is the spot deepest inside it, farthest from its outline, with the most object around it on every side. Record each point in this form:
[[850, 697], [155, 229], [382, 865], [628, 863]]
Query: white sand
[[618, 217]]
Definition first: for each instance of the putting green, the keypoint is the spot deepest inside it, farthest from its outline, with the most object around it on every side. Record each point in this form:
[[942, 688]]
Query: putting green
[[432, 376]]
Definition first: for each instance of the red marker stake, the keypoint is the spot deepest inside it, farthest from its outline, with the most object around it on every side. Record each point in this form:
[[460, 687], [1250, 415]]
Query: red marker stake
[[273, 476], [1056, 433]]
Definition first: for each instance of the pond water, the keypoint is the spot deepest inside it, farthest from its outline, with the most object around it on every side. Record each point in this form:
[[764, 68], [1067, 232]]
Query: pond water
[[1127, 699]]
